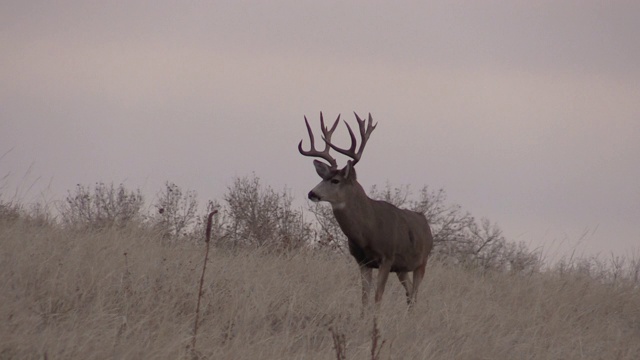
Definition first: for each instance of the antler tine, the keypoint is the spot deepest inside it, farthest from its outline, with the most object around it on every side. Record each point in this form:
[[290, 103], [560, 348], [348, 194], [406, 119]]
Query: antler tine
[[326, 134], [311, 139], [365, 132]]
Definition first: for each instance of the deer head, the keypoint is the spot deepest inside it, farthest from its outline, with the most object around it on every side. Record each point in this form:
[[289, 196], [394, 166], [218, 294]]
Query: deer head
[[337, 184]]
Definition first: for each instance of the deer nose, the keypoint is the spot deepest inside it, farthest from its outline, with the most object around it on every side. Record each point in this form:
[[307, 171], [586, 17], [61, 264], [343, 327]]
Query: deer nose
[[313, 197]]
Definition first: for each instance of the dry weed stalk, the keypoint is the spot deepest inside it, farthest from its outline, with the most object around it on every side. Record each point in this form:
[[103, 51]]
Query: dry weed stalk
[[204, 268], [127, 293], [339, 344], [375, 337]]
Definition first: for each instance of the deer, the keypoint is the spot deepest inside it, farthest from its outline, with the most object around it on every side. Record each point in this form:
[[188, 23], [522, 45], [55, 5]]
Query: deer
[[380, 235]]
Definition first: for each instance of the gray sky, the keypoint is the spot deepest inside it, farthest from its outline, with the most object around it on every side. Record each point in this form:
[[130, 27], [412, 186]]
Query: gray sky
[[525, 112]]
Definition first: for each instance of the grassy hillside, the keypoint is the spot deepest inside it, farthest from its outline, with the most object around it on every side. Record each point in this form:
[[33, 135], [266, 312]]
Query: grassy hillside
[[122, 294]]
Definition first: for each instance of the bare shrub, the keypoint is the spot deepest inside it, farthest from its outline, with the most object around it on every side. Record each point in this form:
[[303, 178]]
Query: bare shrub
[[177, 211], [102, 206], [448, 221], [460, 237], [328, 233], [9, 211], [489, 249], [39, 214], [259, 215], [36, 214], [612, 270]]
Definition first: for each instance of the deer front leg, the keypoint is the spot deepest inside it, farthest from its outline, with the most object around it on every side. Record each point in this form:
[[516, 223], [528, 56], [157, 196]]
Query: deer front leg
[[406, 283], [383, 275], [367, 283]]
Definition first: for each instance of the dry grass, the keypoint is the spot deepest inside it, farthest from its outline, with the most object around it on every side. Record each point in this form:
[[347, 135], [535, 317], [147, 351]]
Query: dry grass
[[71, 295]]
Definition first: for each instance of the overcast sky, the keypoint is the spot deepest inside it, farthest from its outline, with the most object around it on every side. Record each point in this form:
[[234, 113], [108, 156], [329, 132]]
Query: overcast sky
[[525, 112]]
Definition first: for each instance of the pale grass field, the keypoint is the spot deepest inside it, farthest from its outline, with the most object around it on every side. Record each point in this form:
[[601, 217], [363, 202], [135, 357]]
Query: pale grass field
[[67, 295]]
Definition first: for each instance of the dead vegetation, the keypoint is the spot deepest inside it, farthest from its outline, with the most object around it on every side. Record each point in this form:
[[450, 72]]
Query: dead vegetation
[[121, 293], [105, 280]]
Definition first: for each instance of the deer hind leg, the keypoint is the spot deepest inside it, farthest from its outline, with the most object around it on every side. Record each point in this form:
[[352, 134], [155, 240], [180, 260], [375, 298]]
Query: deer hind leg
[[418, 275], [406, 283]]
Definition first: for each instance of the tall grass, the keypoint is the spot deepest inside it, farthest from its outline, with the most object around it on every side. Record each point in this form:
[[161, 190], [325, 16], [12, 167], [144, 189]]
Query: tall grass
[[121, 293]]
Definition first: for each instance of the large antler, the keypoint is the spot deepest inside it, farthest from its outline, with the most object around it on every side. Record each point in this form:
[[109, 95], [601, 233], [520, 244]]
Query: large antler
[[364, 134], [326, 135]]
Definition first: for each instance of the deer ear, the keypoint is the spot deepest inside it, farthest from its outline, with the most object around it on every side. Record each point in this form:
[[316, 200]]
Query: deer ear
[[323, 170], [348, 171]]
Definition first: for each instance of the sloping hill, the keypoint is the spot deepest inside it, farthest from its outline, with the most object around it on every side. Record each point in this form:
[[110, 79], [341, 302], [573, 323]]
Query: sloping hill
[[122, 294]]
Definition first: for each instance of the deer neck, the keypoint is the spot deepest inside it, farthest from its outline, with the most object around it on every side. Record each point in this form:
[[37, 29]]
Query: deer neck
[[354, 214]]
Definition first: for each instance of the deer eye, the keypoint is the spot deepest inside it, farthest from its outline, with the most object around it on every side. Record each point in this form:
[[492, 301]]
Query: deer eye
[[335, 181]]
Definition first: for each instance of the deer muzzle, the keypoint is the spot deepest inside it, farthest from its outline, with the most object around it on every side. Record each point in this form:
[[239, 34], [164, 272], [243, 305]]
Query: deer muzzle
[[313, 196]]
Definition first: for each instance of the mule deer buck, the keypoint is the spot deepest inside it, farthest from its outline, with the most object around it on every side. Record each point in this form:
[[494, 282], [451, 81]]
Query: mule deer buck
[[380, 235]]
